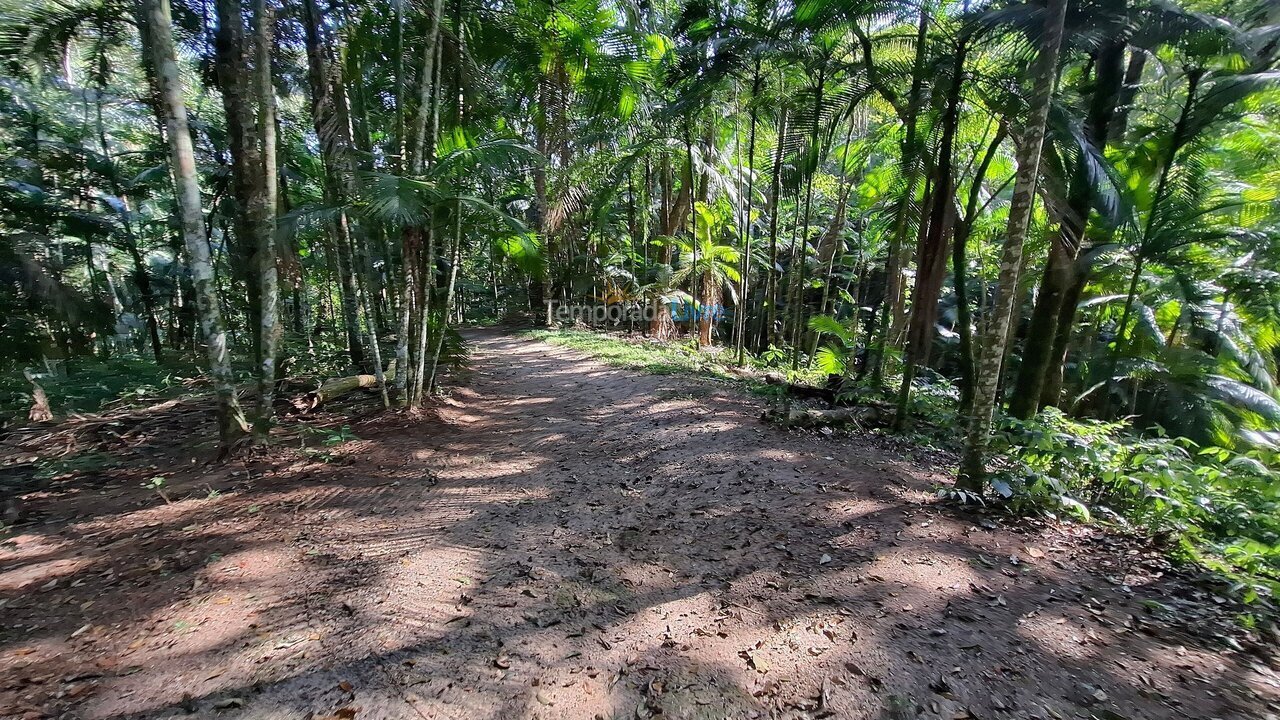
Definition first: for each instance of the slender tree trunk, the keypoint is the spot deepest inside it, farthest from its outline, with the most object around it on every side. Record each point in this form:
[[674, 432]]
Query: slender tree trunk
[[740, 312], [816, 139], [959, 266], [931, 253], [333, 129], [775, 198], [894, 288], [236, 82], [141, 277], [186, 185], [973, 464], [408, 372], [1038, 348], [831, 247], [454, 261], [265, 224], [429, 269]]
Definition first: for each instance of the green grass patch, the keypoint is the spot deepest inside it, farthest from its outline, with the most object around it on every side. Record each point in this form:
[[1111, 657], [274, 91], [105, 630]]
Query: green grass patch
[[668, 358]]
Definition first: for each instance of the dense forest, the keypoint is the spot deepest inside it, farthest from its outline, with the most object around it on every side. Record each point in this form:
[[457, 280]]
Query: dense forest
[[1043, 236]]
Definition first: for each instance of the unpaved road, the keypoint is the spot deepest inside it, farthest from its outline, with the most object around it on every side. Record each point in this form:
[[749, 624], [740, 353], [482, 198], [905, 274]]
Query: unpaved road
[[569, 540]]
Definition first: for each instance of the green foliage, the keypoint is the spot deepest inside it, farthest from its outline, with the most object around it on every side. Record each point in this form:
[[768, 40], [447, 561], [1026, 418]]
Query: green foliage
[[90, 385], [156, 485], [330, 439], [1221, 506]]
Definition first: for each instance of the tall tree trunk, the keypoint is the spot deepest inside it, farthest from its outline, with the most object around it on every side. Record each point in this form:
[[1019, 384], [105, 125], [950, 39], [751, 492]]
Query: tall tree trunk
[[894, 265], [187, 189], [1037, 352], [236, 81], [802, 258], [409, 381], [662, 326], [332, 124], [973, 464], [428, 271], [455, 253], [740, 312], [141, 277], [831, 246], [265, 224], [931, 253], [769, 336], [959, 266], [1051, 390]]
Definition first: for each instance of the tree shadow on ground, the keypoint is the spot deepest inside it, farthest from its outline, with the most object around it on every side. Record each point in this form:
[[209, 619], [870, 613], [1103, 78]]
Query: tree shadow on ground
[[575, 541]]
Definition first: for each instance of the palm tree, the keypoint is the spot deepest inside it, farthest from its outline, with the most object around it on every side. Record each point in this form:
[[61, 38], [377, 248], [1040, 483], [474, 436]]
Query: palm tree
[[711, 268]]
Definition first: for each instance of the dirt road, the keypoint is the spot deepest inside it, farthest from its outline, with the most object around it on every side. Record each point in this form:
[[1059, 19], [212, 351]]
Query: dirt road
[[569, 540]]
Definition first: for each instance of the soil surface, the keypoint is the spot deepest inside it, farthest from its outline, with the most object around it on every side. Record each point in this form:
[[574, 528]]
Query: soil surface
[[562, 539]]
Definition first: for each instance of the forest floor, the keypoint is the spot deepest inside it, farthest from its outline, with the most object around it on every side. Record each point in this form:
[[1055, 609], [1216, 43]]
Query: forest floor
[[562, 539]]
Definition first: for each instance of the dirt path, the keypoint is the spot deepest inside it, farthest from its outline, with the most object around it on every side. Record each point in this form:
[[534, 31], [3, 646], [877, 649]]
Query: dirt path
[[574, 541]]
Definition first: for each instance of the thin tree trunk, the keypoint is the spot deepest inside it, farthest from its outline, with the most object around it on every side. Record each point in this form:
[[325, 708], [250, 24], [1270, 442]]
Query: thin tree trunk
[[187, 189], [740, 315], [931, 254], [142, 278], [831, 247], [816, 139], [775, 197], [333, 129], [973, 464], [894, 289], [265, 222], [959, 266], [429, 269], [409, 372], [236, 82]]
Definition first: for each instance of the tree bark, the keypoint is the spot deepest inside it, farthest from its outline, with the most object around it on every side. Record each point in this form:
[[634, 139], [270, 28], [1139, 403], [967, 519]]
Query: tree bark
[[973, 464], [740, 312], [959, 266], [428, 271], [187, 188], [328, 110], [769, 335], [894, 264], [1038, 348], [235, 80], [265, 224]]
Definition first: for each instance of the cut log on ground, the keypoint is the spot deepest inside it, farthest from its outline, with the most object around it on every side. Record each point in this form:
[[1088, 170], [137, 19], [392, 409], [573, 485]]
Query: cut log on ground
[[333, 389]]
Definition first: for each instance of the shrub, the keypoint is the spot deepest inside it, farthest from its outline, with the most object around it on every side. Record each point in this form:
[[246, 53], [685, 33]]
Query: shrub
[[1221, 505]]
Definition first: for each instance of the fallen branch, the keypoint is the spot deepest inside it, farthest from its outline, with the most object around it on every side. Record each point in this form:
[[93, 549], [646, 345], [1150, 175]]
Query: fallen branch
[[333, 389]]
